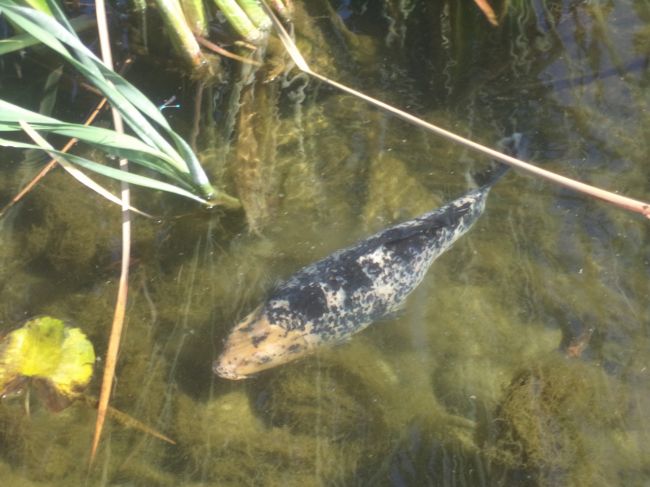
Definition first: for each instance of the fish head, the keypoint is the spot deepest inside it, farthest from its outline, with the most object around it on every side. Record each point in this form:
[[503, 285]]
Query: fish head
[[255, 345]]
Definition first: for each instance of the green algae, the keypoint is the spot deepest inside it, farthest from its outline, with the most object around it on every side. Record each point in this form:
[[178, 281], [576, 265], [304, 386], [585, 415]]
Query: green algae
[[555, 421], [236, 448]]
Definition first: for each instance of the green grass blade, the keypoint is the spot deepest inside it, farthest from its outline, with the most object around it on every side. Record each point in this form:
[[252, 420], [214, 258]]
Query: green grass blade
[[23, 41], [109, 140], [72, 170], [127, 99], [118, 174]]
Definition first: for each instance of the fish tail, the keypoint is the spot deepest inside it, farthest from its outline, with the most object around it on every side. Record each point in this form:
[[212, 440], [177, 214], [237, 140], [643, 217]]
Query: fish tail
[[514, 145]]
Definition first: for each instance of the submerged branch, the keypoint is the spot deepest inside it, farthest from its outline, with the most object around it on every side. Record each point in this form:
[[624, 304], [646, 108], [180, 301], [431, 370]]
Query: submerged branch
[[223, 52], [127, 420]]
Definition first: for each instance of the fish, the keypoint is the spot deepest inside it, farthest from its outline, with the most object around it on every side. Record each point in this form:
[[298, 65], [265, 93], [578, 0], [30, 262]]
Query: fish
[[338, 296]]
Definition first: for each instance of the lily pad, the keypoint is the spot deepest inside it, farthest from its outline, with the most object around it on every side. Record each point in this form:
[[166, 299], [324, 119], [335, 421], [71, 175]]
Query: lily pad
[[56, 359]]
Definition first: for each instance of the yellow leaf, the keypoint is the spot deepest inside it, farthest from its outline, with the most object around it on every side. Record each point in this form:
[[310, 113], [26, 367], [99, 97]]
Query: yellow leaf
[[44, 348]]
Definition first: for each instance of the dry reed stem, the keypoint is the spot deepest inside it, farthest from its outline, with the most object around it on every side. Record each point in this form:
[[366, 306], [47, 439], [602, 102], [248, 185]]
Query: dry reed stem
[[488, 11], [623, 202], [123, 286]]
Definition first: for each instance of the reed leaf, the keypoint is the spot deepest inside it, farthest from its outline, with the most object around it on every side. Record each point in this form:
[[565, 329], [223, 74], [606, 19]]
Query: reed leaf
[[120, 145], [24, 40], [73, 171], [135, 108], [110, 172]]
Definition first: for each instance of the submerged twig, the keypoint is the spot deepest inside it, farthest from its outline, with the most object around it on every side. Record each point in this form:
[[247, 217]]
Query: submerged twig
[[223, 52], [617, 200], [50, 165], [127, 420], [123, 286]]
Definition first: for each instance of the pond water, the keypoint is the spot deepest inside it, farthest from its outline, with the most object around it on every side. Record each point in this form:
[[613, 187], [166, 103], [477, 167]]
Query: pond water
[[522, 359]]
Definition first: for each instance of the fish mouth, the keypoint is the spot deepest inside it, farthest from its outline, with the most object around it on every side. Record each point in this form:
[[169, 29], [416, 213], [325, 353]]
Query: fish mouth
[[226, 371], [255, 345]]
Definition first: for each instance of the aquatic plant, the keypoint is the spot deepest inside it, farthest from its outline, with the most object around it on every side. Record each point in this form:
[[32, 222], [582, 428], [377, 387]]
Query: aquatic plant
[[150, 149], [552, 421]]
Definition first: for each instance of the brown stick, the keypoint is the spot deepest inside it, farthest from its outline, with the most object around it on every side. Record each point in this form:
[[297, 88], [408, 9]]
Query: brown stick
[[615, 199], [220, 50], [123, 286], [50, 165], [127, 420]]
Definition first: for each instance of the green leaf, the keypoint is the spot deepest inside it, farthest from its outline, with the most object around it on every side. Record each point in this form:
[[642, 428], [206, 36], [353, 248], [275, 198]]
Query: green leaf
[[106, 139], [23, 41], [118, 174], [129, 101]]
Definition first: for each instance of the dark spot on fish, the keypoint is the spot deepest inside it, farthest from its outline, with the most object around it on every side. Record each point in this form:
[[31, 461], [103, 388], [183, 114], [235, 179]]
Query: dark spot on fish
[[259, 339], [307, 302], [265, 360], [248, 328], [348, 275], [373, 269], [295, 348]]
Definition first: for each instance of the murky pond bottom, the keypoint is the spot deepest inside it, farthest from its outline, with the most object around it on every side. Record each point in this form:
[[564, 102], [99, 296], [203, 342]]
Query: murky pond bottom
[[523, 357]]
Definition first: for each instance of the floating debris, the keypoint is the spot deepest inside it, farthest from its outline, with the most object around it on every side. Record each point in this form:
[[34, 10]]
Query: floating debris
[[56, 359]]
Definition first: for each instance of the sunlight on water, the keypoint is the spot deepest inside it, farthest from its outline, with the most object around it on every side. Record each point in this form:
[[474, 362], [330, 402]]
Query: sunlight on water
[[522, 359]]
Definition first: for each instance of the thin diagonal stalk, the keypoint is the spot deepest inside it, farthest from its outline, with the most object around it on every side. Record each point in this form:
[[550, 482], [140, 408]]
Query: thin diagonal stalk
[[615, 199], [123, 286], [50, 165], [220, 50]]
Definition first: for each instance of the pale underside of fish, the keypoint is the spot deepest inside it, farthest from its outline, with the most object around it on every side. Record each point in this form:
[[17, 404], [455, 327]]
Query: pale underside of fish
[[340, 295]]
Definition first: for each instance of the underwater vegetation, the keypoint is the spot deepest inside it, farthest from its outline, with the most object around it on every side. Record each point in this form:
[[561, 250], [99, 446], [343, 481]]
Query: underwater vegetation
[[522, 358], [567, 423]]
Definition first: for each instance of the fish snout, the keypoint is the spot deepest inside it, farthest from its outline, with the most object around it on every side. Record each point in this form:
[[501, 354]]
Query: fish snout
[[255, 345], [226, 370]]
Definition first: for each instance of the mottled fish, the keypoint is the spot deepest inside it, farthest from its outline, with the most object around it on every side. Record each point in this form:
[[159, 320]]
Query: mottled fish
[[340, 295]]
